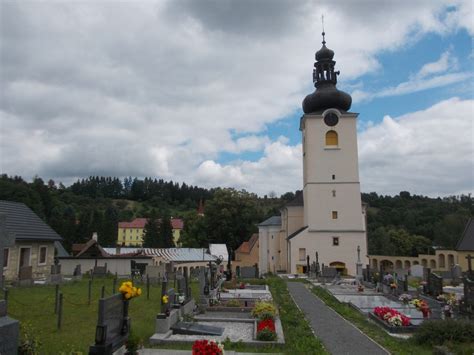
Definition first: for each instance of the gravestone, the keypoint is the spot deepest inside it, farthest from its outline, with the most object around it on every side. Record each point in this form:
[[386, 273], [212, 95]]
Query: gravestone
[[113, 325], [329, 272], [466, 306], [190, 328], [402, 285], [55, 277], [9, 331], [100, 270], [456, 274], [470, 272], [359, 266], [181, 290], [7, 240], [435, 285], [77, 274], [203, 286], [417, 270], [248, 272], [25, 276], [172, 297]]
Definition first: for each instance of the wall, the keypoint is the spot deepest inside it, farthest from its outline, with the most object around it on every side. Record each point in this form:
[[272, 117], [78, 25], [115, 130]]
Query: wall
[[121, 266], [39, 271], [269, 243], [345, 252]]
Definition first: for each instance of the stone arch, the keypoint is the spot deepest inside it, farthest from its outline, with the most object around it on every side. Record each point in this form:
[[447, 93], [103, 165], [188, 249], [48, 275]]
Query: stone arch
[[433, 264], [424, 262], [339, 266], [407, 264], [375, 264], [415, 262], [398, 264], [441, 261], [450, 260], [387, 265]]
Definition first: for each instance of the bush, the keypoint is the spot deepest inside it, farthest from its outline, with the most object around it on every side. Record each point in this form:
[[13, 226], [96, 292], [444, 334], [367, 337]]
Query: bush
[[438, 332], [266, 335], [264, 307], [266, 315]]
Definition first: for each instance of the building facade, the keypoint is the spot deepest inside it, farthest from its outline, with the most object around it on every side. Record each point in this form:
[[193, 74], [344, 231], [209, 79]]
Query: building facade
[[330, 219], [131, 233]]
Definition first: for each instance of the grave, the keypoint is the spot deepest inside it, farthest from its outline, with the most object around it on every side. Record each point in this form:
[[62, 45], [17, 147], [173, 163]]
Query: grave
[[191, 328], [77, 274], [417, 271], [113, 325], [466, 305], [402, 285], [55, 277], [248, 272], [9, 331], [25, 276], [456, 275], [435, 285]]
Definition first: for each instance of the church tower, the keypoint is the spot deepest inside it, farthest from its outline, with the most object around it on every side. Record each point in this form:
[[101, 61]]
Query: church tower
[[333, 213]]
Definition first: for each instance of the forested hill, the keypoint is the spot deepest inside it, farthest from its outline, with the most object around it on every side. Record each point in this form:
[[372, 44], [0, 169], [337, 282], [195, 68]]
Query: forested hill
[[403, 224]]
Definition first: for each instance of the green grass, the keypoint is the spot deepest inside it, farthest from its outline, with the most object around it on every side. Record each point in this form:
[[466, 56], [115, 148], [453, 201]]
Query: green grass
[[34, 307]]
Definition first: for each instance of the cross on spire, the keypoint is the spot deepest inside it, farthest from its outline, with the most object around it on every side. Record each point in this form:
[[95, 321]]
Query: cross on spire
[[322, 22]]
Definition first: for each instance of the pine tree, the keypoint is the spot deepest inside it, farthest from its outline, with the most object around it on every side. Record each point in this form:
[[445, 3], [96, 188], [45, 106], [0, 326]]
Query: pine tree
[[151, 232], [166, 232]]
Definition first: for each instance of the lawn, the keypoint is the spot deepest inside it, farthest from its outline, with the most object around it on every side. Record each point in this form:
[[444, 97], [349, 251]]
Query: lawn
[[34, 307]]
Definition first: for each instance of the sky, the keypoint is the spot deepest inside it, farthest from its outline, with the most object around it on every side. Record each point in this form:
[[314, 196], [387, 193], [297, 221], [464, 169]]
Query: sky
[[209, 92]]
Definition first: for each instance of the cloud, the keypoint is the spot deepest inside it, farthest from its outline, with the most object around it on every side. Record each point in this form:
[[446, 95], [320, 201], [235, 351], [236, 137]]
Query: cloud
[[163, 88], [431, 75], [428, 152]]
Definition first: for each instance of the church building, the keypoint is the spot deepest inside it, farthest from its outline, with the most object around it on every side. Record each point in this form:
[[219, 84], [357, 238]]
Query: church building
[[328, 217]]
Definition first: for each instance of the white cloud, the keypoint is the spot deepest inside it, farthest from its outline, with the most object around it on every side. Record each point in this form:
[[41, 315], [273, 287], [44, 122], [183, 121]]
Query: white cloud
[[431, 75], [427, 152], [162, 88]]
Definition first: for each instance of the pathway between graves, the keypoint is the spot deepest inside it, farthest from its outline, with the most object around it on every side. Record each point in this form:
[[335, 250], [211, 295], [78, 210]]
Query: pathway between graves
[[338, 335]]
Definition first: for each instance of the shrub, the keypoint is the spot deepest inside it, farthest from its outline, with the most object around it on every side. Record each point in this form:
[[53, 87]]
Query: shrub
[[266, 315], [438, 332], [264, 307], [266, 335]]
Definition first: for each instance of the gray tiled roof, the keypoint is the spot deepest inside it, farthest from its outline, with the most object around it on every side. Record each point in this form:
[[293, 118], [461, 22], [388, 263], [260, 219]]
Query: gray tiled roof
[[25, 224], [294, 234], [466, 243], [272, 221]]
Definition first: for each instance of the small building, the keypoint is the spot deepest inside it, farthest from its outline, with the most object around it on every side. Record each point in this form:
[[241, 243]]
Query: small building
[[34, 245], [131, 233], [246, 255]]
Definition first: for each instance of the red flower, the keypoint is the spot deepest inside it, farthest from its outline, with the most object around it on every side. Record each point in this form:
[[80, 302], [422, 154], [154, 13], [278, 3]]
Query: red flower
[[267, 323], [206, 347]]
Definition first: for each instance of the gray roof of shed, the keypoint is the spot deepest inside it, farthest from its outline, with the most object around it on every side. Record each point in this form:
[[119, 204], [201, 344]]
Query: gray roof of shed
[[272, 221], [466, 243], [25, 224]]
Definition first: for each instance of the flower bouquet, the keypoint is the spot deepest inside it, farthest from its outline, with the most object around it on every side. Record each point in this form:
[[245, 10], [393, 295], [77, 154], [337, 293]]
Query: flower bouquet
[[266, 330], [422, 306], [392, 316], [129, 291], [207, 347]]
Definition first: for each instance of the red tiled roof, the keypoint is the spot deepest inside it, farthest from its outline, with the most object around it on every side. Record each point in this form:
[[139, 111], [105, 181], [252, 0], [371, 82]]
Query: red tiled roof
[[176, 223], [246, 247]]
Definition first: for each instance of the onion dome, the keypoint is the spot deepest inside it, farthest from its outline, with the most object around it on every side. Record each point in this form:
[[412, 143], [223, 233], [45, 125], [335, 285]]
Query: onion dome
[[326, 94]]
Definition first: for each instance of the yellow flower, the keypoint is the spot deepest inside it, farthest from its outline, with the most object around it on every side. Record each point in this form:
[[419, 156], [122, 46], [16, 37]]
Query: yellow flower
[[128, 296], [164, 299], [139, 291]]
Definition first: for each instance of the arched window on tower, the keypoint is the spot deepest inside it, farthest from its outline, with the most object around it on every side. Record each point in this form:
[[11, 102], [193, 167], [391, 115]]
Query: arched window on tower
[[331, 138]]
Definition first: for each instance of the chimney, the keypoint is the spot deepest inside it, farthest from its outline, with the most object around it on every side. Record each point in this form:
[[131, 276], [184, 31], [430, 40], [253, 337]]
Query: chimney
[[117, 249], [95, 237]]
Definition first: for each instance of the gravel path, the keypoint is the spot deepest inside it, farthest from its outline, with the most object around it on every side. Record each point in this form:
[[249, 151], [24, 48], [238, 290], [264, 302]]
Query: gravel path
[[338, 335]]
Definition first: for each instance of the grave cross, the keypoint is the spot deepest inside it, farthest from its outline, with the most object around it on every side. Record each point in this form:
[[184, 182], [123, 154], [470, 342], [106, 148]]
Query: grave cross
[[469, 264], [7, 240]]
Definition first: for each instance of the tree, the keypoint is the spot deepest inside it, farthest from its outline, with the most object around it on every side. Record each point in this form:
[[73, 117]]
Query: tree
[[194, 234], [151, 232], [166, 232], [109, 227]]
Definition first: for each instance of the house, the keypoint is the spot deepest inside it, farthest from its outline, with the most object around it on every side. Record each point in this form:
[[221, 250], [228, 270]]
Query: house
[[33, 249], [131, 233], [247, 253]]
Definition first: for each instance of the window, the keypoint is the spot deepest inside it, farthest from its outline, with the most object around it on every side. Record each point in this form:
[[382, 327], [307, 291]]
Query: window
[[333, 193], [6, 252], [334, 177], [42, 255], [331, 138], [302, 254], [335, 241], [334, 214]]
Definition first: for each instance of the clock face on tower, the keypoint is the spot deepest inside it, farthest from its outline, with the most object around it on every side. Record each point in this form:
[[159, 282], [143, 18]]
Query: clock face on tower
[[331, 119]]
